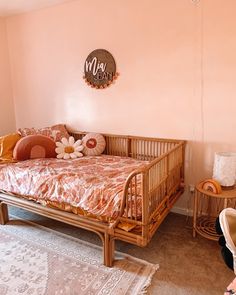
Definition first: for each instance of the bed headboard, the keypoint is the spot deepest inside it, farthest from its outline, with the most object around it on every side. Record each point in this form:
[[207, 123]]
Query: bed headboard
[[142, 148]]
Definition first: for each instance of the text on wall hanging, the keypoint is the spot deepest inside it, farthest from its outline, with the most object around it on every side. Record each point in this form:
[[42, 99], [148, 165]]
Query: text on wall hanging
[[100, 69]]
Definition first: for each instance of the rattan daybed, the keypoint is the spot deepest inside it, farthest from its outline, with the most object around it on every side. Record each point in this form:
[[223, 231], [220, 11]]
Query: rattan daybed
[[160, 182]]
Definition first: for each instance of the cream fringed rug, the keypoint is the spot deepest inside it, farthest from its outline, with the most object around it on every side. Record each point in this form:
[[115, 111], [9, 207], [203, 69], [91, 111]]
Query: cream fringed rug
[[35, 260]]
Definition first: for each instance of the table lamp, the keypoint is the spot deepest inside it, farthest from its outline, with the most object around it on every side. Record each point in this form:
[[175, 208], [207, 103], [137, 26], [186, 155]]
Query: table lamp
[[224, 170]]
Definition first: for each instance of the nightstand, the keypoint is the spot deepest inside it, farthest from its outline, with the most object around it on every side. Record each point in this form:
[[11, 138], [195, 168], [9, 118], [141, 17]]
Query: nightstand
[[207, 207]]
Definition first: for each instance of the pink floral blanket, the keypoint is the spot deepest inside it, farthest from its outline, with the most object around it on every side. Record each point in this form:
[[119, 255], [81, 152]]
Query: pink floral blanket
[[94, 183]]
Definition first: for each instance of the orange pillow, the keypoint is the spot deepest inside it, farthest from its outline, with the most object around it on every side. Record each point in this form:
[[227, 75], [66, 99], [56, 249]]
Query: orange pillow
[[7, 144], [34, 146], [56, 132]]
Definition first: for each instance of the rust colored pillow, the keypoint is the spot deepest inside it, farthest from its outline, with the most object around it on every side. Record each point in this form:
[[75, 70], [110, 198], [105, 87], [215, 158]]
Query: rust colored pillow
[[34, 146], [56, 132]]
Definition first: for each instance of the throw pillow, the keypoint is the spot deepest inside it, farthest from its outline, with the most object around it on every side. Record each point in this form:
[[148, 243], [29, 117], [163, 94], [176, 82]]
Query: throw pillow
[[69, 148], [34, 146], [56, 132], [7, 144], [94, 144]]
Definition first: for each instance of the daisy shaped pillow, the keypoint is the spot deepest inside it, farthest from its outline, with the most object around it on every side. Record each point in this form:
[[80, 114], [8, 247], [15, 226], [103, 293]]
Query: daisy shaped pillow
[[69, 148]]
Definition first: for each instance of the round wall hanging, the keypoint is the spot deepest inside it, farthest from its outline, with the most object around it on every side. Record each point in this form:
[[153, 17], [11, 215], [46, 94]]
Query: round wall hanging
[[100, 69]]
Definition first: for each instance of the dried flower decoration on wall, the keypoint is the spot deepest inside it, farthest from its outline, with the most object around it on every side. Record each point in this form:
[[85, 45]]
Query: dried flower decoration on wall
[[100, 69]]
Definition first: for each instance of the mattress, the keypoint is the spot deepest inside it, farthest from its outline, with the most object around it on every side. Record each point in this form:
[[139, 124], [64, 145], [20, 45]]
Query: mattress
[[91, 185]]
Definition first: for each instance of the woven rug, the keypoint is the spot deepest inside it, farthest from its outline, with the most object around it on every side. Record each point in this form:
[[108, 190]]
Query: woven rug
[[37, 260]]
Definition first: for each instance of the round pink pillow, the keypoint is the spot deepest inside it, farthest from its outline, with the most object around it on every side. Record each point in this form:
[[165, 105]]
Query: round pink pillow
[[34, 146], [94, 144]]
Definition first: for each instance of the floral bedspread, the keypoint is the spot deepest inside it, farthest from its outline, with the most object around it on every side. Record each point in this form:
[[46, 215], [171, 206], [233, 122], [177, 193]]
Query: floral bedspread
[[94, 184]]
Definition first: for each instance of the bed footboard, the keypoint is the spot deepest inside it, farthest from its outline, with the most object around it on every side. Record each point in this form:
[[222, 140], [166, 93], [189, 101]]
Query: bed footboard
[[162, 182]]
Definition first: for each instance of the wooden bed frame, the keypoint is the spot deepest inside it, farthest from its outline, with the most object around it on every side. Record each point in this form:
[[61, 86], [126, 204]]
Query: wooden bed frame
[[162, 182]]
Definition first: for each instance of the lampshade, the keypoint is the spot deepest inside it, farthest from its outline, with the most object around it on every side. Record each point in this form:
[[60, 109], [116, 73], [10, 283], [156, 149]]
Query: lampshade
[[224, 170]]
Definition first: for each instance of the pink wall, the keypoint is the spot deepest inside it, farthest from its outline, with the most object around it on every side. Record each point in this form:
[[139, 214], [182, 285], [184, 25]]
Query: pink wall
[[177, 66], [7, 114]]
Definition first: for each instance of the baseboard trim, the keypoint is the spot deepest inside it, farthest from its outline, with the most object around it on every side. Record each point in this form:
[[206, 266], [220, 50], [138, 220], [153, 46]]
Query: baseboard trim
[[182, 211]]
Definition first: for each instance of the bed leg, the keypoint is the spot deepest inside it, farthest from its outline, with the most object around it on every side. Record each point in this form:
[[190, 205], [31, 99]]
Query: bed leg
[[4, 217], [108, 250]]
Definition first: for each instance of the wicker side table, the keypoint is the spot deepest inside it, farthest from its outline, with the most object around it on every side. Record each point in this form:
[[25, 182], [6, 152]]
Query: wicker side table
[[207, 207]]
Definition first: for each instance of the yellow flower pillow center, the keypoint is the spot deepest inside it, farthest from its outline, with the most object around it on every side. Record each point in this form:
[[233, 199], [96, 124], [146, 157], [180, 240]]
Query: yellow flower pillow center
[[69, 149]]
